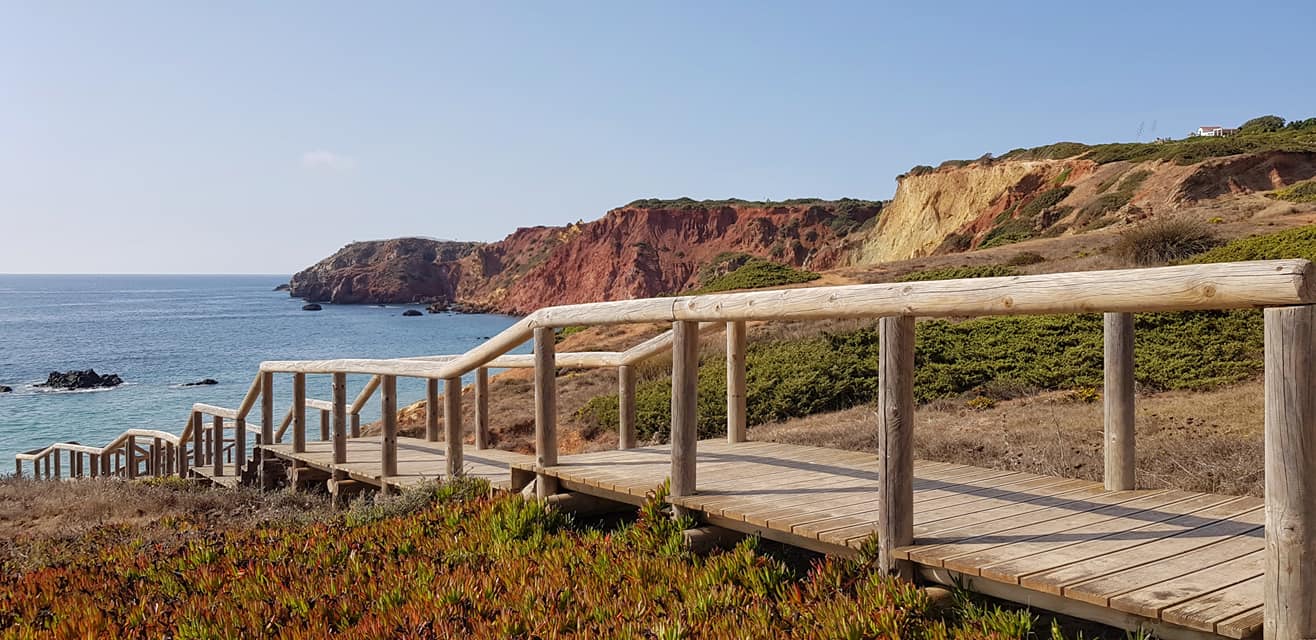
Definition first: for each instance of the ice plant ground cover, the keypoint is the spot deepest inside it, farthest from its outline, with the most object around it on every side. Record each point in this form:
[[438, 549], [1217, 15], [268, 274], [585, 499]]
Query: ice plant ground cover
[[453, 561]]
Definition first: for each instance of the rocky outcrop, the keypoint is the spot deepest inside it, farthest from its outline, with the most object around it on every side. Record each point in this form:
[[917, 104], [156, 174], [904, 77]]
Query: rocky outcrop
[[312, 306], [643, 249], [399, 270], [411, 313], [74, 380], [283, 287], [971, 205], [200, 383], [4, 389]]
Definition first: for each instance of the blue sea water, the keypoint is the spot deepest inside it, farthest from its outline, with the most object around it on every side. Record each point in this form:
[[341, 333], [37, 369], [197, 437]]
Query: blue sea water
[[159, 332]]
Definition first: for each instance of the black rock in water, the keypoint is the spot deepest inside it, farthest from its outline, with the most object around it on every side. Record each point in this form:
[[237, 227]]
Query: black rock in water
[[200, 383], [283, 287], [411, 313], [311, 307], [4, 389], [88, 379]]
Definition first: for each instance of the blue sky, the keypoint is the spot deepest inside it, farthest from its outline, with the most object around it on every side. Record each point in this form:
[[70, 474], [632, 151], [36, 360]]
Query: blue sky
[[257, 137]]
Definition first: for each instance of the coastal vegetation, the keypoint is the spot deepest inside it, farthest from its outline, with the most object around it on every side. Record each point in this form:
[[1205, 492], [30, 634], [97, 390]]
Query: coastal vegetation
[[955, 273], [1301, 192], [453, 560], [731, 271]]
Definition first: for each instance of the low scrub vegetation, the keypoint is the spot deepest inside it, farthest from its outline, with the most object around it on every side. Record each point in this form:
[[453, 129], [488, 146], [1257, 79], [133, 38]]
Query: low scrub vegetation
[[795, 378], [1300, 192], [446, 561], [1292, 243], [1164, 241], [755, 273], [1113, 201], [955, 273], [1266, 133]]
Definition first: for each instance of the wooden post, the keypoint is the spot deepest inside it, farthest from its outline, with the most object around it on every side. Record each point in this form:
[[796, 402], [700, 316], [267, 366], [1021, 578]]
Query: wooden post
[[106, 463], [239, 443], [895, 443], [1119, 440], [219, 446], [685, 416], [431, 410], [452, 421], [356, 425], [1290, 581], [340, 418], [130, 456], [18, 467], [266, 423], [545, 408], [94, 464], [198, 440], [389, 438], [299, 413], [481, 408], [324, 425], [735, 382], [58, 462], [75, 460], [626, 407], [169, 459]]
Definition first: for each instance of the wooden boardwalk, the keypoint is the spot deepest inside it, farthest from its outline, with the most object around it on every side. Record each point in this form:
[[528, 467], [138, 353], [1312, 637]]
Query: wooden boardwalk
[[1183, 562], [1191, 560], [419, 461]]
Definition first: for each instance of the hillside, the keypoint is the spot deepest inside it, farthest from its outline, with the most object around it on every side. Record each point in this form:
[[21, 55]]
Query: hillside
[[646, 248]]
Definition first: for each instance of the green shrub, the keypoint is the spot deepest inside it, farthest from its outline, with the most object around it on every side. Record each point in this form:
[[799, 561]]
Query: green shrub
[[1164, 241], [1025, 258], [785, 379], [1292, 243], [567, 332], [756, 273], [957, 273], [1300, 192], [1044, 201], [1114, 201], [1263, 124], [1057, 151]]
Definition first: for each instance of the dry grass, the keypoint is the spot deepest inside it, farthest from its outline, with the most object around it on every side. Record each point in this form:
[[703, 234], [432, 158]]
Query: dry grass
[[1205, 441], [1164, 241]]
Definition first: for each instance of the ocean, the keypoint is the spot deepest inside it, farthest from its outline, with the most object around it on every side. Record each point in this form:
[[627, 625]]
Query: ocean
[[159, 332]]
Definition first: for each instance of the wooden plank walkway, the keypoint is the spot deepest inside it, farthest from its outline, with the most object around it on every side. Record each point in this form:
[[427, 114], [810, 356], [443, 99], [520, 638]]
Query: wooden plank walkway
[[1191, 562], [1187, 563], [419, 461], [230, 479]]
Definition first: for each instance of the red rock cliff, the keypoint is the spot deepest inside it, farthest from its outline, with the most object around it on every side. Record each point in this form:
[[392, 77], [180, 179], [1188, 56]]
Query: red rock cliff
[[633, 251]]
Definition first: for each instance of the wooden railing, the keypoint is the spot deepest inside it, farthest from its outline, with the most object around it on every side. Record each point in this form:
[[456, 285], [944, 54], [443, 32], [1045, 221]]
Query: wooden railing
[[1285, 288]]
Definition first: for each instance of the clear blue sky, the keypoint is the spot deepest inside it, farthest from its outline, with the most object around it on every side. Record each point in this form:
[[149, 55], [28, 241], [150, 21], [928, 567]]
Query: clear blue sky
[[257, 137]]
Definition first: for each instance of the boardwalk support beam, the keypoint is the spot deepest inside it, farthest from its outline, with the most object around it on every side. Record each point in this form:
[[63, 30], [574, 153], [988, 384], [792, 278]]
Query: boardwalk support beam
[[1290, 582], [266, 425], [299, 412], [685, 434], [545, 409], [388, 441], [895, 443], [482, 408], [432, 410], [340, 418], [1119, 431], [625, 407], [452, 422], [736, 381]]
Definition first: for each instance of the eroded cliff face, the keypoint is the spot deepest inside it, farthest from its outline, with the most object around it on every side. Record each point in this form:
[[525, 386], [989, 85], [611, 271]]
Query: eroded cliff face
[[984, 202], [633, 251]]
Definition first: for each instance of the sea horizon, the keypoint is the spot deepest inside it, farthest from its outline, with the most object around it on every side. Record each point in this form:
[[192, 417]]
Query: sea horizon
[[162, 331]]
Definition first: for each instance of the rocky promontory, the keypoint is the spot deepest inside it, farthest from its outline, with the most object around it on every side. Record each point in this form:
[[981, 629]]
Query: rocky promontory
[[74, 380], [646, 248]]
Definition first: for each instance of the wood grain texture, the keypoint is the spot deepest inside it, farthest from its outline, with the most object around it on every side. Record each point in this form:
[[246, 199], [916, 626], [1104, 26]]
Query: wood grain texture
[[736, 381], [482, 408], [685, 417], [299, 412], [1119, 398], [895, 443], [388, 457], [266, 422], [432, 410], [452, 420], [340, 417], [545, 408], [1290, 450], [625, 407]]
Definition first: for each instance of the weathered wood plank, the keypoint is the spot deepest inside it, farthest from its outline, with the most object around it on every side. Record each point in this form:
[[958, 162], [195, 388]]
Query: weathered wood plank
[[685, 382], [895, 443], [1119, 399], [736, 381], [1290, 581]]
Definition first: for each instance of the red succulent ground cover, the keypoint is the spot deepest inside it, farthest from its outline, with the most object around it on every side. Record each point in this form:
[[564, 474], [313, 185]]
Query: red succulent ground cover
[[453, 561]]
